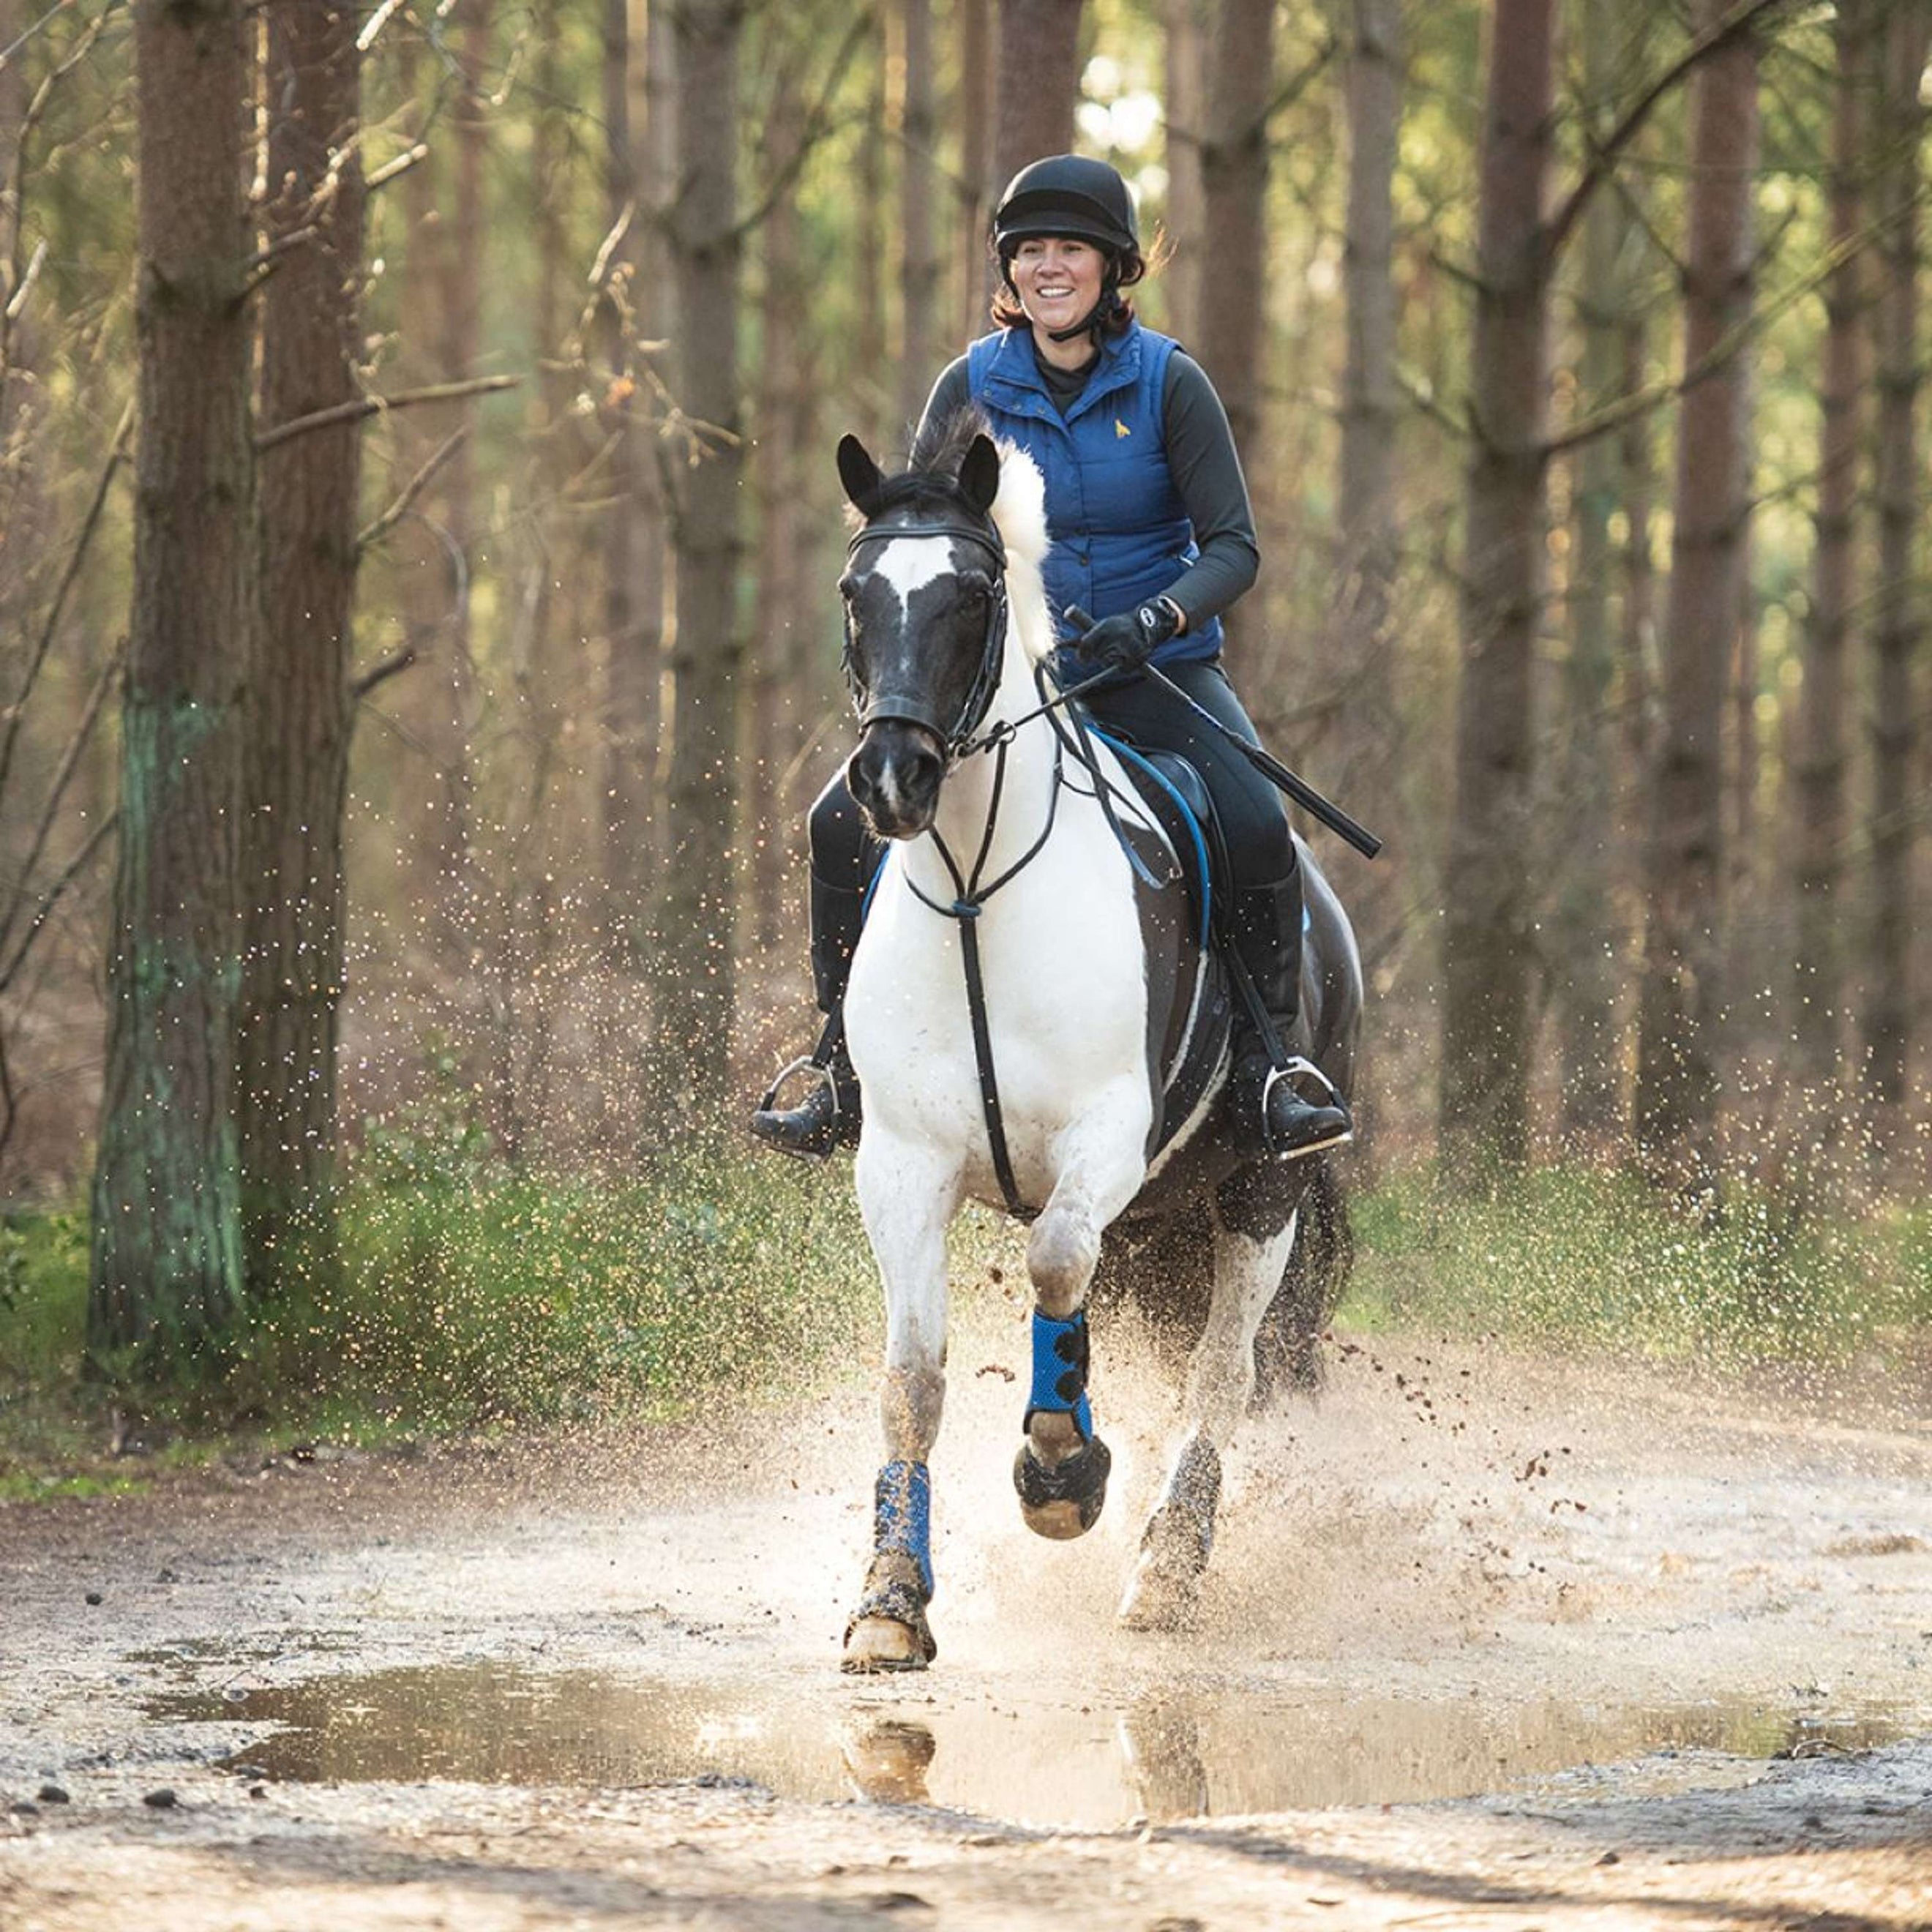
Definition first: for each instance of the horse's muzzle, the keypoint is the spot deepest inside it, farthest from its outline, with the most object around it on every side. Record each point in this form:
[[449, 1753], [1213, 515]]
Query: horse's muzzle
[[894, 777]]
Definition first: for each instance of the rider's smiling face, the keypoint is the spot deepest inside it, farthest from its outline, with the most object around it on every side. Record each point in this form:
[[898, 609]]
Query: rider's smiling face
[[1058, 278]]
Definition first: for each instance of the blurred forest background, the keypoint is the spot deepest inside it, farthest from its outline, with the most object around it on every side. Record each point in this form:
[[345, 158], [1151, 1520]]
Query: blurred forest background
[[418, 538]]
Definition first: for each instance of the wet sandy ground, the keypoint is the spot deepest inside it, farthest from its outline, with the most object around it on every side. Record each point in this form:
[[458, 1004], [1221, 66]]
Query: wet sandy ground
[[1490, 1641]]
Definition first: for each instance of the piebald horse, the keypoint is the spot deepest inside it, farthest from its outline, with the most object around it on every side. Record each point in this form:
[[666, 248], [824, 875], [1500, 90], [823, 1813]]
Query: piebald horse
[[1008, 830]]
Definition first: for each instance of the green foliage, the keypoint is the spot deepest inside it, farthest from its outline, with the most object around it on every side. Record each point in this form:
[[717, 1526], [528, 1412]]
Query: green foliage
[[1569, 1253], [468, 1296], [471, 1294]]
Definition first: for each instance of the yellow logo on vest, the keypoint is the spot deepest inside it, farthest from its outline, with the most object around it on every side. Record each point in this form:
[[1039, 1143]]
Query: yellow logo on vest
[[1120, 429]]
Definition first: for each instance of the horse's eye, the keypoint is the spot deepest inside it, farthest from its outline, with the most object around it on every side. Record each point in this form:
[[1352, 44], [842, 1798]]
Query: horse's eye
[[848, 588]]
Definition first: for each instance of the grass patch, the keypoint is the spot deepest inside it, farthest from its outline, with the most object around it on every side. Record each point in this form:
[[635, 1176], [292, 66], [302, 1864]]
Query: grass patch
[[469, 1297], [1572, 1253]]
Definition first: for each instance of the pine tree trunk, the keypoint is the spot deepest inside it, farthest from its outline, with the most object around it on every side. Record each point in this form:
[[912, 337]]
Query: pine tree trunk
[[781, 497], [1234, 180], [640, 166], [1677, 1074], [1484, 1099], [1899, 628], [1636, 631], [1186, 109], [876, 399], [1818, 798], [1584, 935], [1040, 83], [1371, 407], [977, 188], [459, 300], [300, 710], [1234, 177], [695, 969], [166, 1274], [918, 192]]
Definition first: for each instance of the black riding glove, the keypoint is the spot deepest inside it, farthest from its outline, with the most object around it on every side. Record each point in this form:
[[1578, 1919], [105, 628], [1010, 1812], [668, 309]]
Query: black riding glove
[[1125, 641]]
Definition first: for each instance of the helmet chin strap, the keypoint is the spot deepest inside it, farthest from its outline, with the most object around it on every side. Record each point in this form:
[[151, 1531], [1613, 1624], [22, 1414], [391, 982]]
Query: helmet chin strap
[[1090, 324]]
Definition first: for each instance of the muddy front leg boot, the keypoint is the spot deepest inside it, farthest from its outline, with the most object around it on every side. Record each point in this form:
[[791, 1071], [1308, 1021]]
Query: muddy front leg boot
[[828, 1116], [1281, 1105]]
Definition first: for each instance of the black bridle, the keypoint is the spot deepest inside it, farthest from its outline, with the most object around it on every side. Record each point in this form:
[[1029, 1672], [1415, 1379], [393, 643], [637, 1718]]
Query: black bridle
[[915, 707]]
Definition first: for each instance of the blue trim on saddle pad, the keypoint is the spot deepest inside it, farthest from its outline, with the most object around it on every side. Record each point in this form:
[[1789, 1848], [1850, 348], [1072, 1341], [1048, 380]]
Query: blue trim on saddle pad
[[1060, 1372], [902, 1516], [1132, 756]]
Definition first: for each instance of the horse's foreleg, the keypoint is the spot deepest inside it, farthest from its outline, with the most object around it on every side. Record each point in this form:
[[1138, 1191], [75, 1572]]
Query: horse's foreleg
[[907, 1198], [1061, 1470], [1165, 1588]]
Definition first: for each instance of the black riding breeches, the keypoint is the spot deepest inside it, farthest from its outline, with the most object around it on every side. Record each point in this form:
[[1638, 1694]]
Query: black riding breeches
[[1254, 823]]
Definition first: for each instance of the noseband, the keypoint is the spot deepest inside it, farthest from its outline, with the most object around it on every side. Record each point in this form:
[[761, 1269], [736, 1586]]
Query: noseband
[[914, 706]]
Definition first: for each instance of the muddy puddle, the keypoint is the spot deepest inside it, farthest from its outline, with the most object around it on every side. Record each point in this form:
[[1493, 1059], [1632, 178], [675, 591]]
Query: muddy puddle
[[1168, 1751]]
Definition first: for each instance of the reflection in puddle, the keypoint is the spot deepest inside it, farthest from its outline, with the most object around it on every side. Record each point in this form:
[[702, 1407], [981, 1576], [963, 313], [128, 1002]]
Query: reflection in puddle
[[1181, 1752]]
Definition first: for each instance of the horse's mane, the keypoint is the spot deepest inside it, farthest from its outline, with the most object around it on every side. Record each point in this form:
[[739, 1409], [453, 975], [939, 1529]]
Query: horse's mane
[[1019, 511]]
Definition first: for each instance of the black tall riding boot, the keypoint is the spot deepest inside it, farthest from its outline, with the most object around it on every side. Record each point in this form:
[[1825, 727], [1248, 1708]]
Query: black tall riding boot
[[1267, 1111], [828, 1116]]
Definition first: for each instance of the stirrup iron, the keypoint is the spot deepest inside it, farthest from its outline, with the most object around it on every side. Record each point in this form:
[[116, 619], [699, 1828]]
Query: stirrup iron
[[1291, 1068]]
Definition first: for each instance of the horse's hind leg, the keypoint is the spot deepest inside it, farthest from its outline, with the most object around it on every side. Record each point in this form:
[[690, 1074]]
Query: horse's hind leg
[[1288, 1350], [1060, 1472], [908, 1197], [1251, 1246]]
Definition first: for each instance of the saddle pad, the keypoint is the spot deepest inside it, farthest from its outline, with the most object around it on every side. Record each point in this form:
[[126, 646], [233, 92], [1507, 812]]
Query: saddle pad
[[1176, 797], [1190, 1053]]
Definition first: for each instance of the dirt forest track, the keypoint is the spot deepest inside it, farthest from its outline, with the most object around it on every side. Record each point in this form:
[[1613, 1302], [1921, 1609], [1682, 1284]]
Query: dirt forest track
[[1489, 1642]]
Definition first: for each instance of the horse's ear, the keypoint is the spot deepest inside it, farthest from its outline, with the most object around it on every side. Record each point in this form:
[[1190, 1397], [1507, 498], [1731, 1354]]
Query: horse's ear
[[980, 474], [860, 474]]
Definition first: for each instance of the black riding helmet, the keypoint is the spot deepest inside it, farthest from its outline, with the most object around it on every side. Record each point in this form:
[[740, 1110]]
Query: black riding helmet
[[1067, 194], [1072, 195]]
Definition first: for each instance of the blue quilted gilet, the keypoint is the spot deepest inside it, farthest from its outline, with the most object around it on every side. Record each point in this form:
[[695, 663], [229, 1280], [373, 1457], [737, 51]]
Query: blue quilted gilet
[[1119, 532]]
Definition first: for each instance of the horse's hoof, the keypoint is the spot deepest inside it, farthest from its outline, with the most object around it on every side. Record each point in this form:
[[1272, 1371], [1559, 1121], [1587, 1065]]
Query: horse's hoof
[[1065, 1501], [889, 1631], [884, 1643], [1164, 1592]]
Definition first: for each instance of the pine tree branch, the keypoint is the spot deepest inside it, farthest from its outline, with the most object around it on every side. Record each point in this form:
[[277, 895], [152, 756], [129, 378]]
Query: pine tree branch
[[17, 711], [1741, 19], [381, 672], [103, 682], [52, 896], [818, 124], [354, 411], [1639, 402], [374, 531]]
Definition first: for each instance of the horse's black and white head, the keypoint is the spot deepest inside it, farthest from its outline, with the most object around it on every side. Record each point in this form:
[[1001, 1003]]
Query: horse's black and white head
[[925, 595]]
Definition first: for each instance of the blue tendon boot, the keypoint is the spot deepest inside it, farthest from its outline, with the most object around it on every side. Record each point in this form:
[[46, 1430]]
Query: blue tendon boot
[[1065, 1500], [890, 1625]]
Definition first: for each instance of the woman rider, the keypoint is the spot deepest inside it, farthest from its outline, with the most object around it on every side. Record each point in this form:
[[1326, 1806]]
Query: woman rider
[[1153, 534]]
